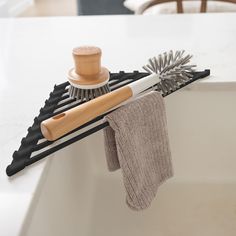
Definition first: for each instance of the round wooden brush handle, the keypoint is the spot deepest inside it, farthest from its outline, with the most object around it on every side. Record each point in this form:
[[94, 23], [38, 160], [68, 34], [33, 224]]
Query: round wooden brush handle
[[87, 61], [65, 122]]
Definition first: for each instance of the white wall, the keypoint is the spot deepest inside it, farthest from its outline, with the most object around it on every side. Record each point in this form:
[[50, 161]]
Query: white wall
[[11, 8]]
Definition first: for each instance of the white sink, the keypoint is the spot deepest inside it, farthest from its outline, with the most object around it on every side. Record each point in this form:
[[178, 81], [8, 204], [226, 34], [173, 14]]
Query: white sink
[[80, 197]]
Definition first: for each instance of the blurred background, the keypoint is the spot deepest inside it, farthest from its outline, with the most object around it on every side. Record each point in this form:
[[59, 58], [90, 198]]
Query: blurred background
[[35, 8], [31, 8]]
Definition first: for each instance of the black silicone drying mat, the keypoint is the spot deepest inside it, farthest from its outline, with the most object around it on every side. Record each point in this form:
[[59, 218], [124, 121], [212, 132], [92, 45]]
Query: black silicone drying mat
[[34, 147]]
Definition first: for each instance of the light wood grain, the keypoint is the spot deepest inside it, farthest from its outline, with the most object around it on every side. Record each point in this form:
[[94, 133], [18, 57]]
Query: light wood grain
[[87, 60], [63, 123], [88, 70]]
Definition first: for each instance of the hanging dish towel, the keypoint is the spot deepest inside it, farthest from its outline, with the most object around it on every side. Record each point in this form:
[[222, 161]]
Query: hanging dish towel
[[137, 142]]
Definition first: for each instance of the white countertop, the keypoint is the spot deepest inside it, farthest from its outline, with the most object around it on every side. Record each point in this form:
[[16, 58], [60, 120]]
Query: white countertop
[[35, 53]]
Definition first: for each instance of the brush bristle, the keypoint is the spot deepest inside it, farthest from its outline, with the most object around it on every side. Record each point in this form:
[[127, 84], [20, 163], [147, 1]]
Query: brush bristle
[[87, 94], [173, 70]]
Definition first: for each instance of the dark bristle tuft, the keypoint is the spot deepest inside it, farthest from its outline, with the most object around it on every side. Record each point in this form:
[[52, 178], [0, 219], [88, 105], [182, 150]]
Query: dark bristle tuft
[[88, 94]]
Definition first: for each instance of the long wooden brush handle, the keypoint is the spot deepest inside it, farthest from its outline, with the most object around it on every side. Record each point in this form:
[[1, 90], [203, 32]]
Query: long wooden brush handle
[[57, 126], [65, 122]]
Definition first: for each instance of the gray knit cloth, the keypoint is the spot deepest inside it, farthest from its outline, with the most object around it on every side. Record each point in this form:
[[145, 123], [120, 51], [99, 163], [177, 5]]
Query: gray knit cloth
[[137, 141]]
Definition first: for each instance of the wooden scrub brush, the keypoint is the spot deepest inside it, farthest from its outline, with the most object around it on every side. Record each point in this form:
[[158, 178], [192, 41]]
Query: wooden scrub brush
[[167, 73], [88, 79]]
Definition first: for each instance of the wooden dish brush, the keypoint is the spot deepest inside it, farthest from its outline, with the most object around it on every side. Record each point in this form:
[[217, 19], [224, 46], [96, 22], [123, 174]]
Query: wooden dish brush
[[167, 72], [88, 79]]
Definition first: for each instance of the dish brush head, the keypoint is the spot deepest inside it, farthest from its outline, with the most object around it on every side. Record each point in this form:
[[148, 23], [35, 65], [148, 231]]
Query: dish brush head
[[173, 69], [88, 79]]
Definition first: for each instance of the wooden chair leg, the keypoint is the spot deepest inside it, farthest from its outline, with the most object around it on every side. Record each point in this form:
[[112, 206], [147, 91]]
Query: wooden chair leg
[[203, 6], [179, 6]]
